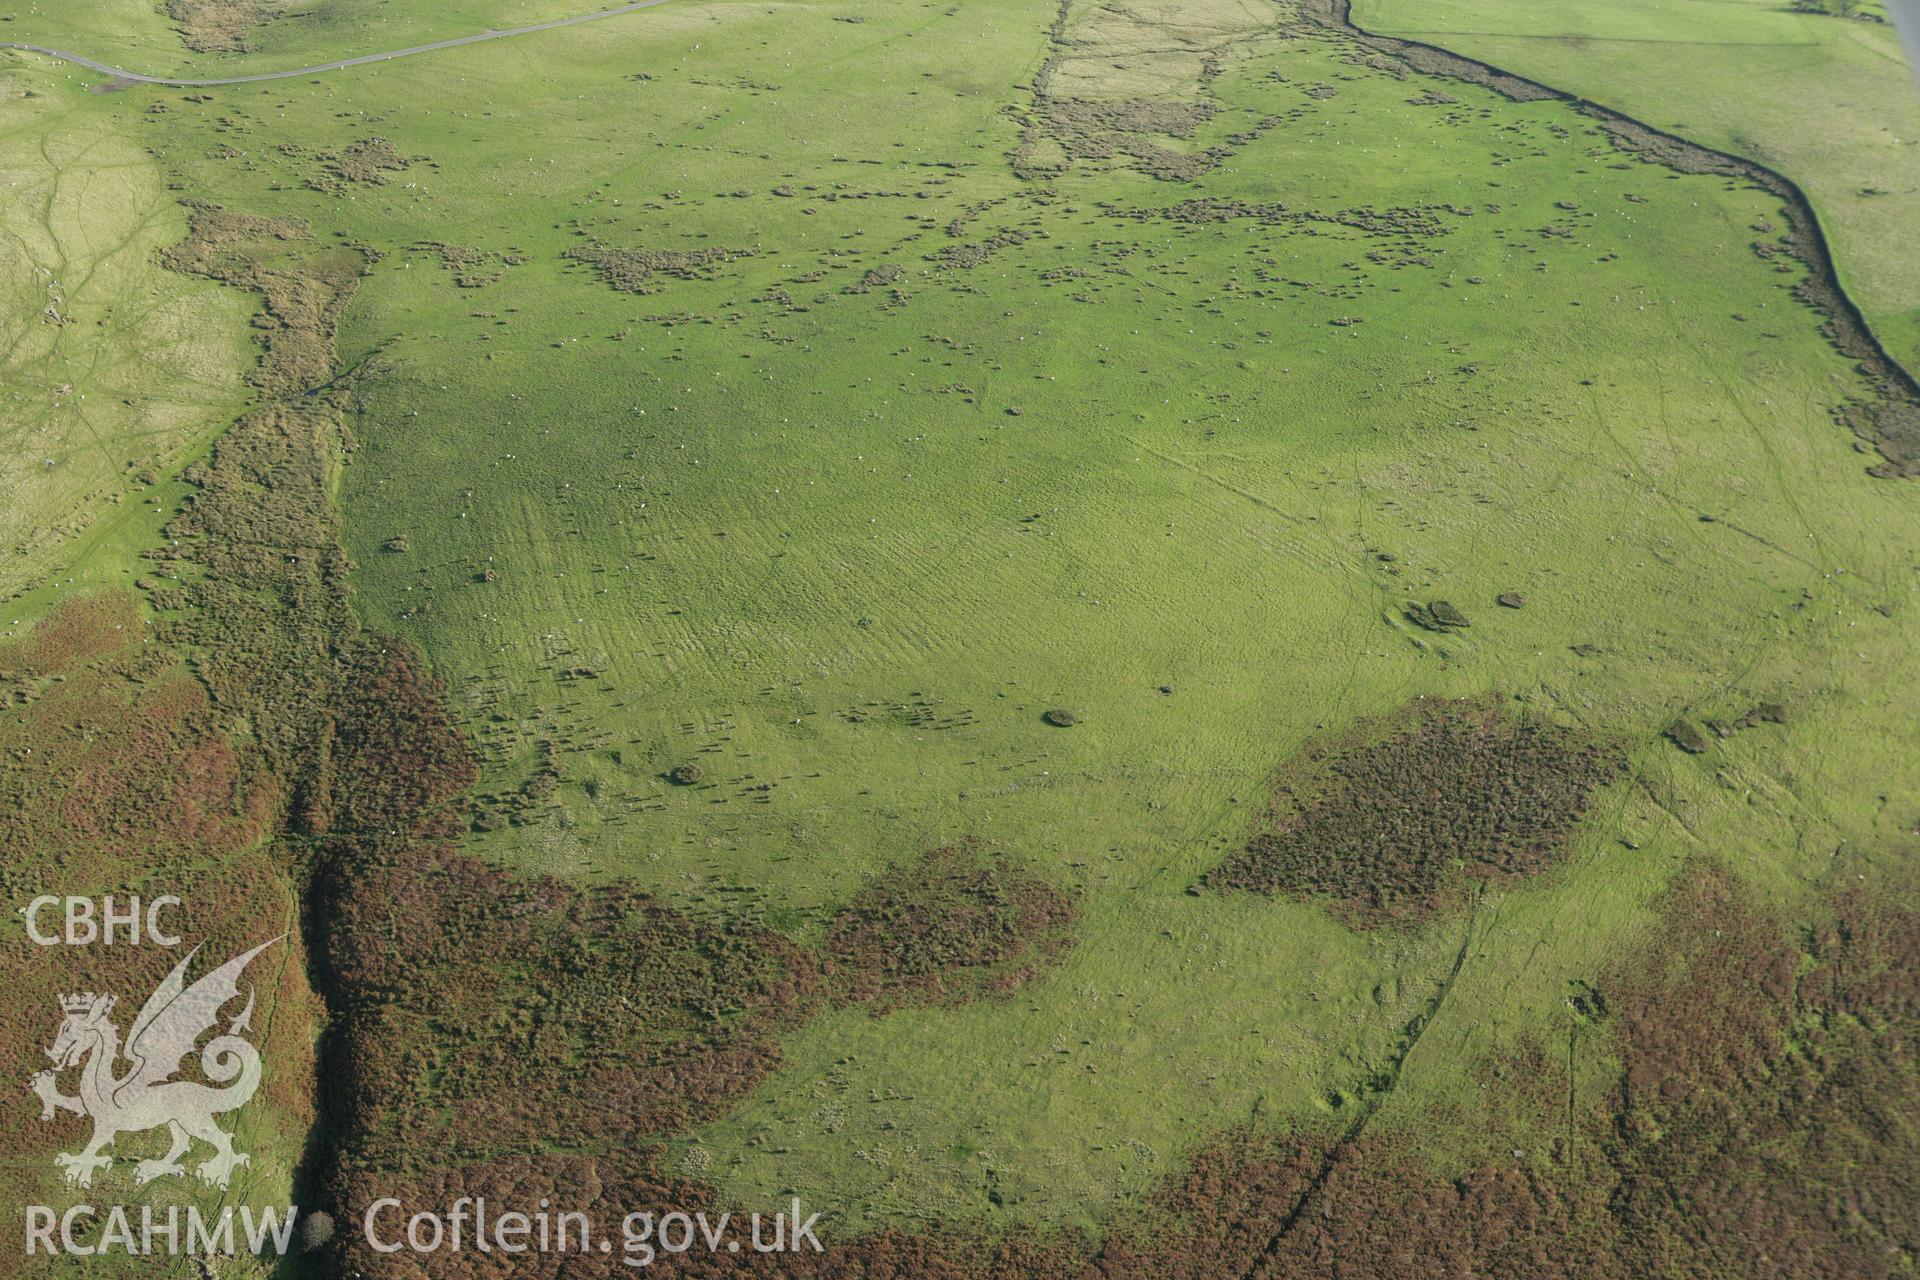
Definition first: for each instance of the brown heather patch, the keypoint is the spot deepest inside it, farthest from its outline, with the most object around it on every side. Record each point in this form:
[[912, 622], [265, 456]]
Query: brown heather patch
[[480, 1014], [633, 270], [1127, 115], [75, 632], [115, 778], [215, 26], [955, 925], [1399, 820], [266, 616], [302, 288], [393, 758], [472, 268], [1672, 1011], [1867, 959], [488, 1016], [481, 1017], [1292, 1205], [113, 758], [1124, 129], [228, 908], [365, 163], [1769, 1126], [167, 769]]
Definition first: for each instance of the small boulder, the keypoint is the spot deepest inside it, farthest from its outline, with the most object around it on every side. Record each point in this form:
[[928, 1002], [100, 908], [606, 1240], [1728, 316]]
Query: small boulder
[[1686, 735], [1438, 615]]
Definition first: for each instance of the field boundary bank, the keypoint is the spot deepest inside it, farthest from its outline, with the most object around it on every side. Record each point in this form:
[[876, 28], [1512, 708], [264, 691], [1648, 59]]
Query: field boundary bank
[[1898, 439], [124, 77]]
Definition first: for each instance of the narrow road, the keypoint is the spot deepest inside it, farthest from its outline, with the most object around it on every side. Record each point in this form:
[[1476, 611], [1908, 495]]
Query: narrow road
[[363, 60]]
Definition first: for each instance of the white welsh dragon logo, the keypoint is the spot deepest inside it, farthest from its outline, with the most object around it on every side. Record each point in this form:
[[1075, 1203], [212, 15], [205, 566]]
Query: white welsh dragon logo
[[146, 1096]]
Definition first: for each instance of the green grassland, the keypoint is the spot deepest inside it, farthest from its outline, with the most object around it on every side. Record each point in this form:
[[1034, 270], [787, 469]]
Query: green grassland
[[141, 35], [110, 366], [1829, 102], [929, 447]]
